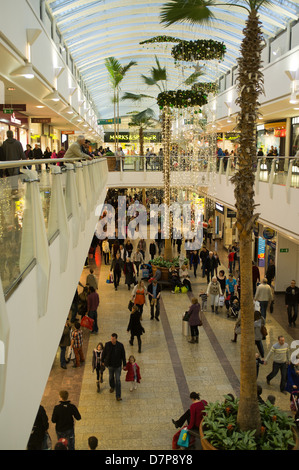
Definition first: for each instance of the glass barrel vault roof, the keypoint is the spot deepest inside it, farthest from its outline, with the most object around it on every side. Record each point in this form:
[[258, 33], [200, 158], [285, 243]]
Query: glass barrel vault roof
[[96, 29]]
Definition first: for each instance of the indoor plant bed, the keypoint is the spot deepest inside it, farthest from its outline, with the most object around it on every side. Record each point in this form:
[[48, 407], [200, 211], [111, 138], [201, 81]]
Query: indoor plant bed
[[219, 430]]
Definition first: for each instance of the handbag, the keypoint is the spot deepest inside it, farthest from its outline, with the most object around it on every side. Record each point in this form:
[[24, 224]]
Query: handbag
[[184, 438], [264, 331], [130, 305], [87, 322]]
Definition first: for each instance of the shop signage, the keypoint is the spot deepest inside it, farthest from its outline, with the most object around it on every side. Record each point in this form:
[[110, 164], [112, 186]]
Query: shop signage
[[219, 207], [105, 122], [7, 111], [261, 251], [268, 233], [284, 250], [230, 213], [14, 120], [14, 107], [133, 137], [67, 132], [40, 120]]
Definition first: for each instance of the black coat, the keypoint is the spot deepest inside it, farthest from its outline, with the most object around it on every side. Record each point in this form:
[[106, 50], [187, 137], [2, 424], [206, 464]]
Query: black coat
[[291, 299], [135, 325], [114, 355]]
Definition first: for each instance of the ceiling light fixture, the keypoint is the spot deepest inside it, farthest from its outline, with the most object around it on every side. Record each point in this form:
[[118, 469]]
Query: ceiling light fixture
[[53, 96], [25, 71]]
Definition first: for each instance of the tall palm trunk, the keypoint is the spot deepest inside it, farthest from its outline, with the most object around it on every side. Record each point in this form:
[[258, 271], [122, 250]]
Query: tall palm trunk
[[166, 135], [114, 124], [249, 84]]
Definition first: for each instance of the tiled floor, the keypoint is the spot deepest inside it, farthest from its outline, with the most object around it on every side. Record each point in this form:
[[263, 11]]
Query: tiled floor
[[171, 368]]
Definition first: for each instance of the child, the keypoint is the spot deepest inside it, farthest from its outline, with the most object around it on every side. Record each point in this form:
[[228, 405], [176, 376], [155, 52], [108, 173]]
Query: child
[[97, 364], [204, 300], [133, 373]]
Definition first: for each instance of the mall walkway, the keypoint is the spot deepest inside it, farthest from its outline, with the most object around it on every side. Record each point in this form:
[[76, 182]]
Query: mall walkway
[[171, 368]]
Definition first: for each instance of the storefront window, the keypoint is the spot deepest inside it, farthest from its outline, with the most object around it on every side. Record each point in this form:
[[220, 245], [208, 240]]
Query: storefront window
[[295, 135]]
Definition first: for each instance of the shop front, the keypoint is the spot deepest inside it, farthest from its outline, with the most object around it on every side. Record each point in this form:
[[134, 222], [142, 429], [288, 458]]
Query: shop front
[[16, 122], [271, 138], [130, 143]]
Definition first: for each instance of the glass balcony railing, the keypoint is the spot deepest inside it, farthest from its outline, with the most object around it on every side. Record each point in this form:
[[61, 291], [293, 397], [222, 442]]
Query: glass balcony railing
[[276, 170], [37, 204]]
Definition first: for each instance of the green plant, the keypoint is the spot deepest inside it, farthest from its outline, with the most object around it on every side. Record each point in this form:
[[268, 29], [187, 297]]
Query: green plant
[[202, 49], [222, 431], [159, 261], [182, 98]]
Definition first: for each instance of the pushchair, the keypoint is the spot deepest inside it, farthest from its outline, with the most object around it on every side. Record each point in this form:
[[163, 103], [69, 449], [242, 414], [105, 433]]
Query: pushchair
[[234, 308]]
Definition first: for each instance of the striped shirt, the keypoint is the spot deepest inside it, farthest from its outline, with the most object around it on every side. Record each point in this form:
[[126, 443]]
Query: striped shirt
[[281, 353]]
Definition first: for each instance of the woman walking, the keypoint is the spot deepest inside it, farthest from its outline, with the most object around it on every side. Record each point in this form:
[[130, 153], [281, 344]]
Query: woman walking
[[194, 320], [135, 327]]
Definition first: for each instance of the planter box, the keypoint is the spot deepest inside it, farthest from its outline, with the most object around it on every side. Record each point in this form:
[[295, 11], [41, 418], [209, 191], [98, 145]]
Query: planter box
[[111, 163], [164, 272]]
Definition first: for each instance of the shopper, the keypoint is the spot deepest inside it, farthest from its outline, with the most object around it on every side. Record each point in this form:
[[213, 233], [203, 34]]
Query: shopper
[[130, 273], [292, 300], [194, 320], [91, 280], [64, 343], [194, 261], [135, 327], [154, 295], [281, 352], [194, 414], [39, 438], [106, 251], [77, 344], [98, 364], [114, 357], [259, 321], [116, 269], [138, 260], [214, 291], [139, 295], [63, 417], [93, 302], [75, 149], [133, 373], [263, 295]]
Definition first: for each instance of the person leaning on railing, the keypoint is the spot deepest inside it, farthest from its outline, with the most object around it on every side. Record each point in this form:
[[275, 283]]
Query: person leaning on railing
[[74, 150]]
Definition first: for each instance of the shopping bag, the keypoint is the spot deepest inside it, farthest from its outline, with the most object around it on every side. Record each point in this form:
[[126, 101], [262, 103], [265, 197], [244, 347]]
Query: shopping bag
[[177, 289], [221, 301], [184, 438], [87, 322], [184, 289]]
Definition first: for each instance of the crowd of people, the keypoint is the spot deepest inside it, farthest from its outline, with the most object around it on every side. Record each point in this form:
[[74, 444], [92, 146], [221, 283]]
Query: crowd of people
[[127, 263]]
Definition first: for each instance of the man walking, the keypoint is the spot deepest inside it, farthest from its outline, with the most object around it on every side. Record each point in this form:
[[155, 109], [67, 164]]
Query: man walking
[[154, 292], [93, 301], [281, 360], [77, 344], [263, 295], [292, 300], [114, 357], [63, 417]]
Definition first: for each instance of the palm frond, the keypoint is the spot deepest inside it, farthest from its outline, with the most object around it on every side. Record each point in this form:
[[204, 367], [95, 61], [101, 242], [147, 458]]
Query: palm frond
[[187, 11], [127, 67], [133, 97], [193, 78]]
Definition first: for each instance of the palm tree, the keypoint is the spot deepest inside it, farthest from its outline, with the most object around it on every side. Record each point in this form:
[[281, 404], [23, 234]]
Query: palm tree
[[249, 86], [143, 120], [158, 78], [117, 73]]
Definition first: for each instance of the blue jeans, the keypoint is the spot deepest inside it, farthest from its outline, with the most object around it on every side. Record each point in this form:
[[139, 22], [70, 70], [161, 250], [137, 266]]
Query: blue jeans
[[264, 305], [69, 435], [114, 380]]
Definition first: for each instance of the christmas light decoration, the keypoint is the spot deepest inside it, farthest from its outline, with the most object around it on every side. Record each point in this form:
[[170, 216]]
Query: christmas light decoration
[[202, 49]]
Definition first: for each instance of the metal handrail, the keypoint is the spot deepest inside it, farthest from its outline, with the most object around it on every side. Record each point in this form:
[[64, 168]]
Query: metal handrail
[[40, 161]]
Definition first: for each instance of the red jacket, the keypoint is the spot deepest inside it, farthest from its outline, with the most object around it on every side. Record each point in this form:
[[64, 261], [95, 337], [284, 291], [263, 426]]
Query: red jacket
[[196, 414], [130, 372]]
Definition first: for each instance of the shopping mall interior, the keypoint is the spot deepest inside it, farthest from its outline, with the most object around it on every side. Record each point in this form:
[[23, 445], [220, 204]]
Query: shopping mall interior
[[152, 107]]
